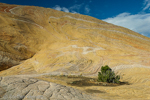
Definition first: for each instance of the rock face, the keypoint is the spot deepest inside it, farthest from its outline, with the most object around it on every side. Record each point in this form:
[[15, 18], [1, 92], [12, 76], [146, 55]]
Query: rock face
[[18, 88], [65, 42], [36, 40]]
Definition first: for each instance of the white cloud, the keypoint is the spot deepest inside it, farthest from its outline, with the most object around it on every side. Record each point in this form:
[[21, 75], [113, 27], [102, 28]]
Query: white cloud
[[146, 4], [57, 7], [65, 9], [87, 9], [74, 9], [139, 23]]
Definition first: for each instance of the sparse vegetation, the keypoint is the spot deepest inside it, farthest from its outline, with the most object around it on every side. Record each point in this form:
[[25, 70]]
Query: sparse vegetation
[[107, 75], [81, 81]]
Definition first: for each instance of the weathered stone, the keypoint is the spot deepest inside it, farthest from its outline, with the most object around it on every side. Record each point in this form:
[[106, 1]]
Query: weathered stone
[[40, 90]]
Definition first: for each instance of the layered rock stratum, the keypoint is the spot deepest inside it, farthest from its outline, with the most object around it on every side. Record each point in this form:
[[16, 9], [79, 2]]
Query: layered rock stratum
[[36, 42]]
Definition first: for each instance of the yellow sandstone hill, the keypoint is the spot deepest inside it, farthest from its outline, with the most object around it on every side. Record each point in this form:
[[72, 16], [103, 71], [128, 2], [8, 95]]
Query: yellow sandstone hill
[[39, 41]]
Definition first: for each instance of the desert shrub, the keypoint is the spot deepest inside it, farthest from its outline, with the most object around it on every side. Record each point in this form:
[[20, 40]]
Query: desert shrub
[[107, 75]]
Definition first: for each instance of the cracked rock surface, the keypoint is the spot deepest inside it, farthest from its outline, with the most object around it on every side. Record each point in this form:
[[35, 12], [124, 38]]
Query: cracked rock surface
[[18, 88]]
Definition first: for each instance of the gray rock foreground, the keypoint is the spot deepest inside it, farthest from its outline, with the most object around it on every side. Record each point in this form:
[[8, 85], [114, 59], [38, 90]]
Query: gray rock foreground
[[27, 88]]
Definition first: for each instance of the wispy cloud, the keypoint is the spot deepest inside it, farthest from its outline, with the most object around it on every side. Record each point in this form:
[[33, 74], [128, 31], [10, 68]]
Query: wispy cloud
[[146, 5], [139, 23], [57, 7], [87, 9], [65, 9], [74, 9]]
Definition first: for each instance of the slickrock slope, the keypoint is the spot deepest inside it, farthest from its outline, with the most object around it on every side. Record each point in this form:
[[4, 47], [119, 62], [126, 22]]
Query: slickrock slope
[[42, 41], [18, 88]]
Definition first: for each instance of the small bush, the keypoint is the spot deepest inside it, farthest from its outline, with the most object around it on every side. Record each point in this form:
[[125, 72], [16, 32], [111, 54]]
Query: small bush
[[107, 75]]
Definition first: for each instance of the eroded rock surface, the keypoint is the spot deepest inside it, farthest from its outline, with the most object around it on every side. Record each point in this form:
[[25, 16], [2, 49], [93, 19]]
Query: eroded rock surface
[[19, 88]]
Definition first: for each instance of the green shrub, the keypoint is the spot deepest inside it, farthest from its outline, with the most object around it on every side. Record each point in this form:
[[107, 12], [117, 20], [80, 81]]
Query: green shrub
[[107, 75], [105, 68]]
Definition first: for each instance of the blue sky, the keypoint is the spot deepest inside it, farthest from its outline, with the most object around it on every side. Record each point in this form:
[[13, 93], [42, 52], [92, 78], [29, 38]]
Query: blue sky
[[132, 14]]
